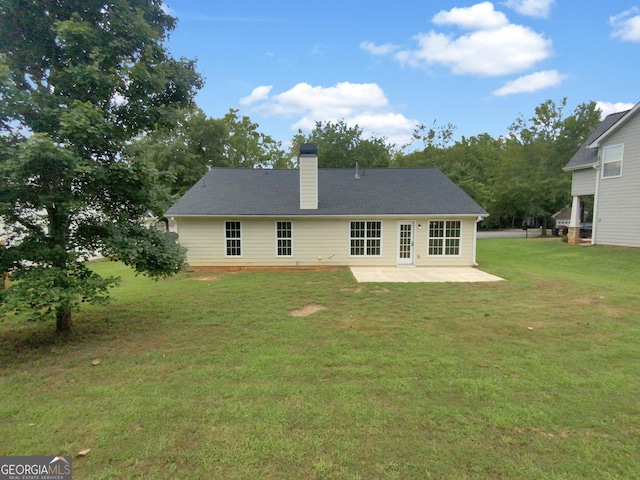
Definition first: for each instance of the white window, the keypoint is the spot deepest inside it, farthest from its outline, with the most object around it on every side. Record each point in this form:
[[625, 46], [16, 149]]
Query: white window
[[365, 238], [612, 161], [444, 237], [233, 239], [284, 239]]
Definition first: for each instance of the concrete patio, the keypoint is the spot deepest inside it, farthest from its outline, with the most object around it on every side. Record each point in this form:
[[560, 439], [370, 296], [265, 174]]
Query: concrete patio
[[421, 274]]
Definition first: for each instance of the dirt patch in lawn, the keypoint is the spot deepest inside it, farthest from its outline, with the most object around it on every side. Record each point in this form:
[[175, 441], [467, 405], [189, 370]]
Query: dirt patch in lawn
[[306, 310], [354, 290]]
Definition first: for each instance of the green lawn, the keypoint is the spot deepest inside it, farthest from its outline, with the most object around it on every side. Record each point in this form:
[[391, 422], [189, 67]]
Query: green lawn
[[207, 376]]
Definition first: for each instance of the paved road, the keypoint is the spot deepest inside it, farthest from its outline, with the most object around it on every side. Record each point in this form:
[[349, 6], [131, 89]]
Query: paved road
[[511, 233]]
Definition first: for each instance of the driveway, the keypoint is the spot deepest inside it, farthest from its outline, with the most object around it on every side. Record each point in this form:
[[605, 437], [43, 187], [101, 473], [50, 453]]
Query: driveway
[[421, 274]]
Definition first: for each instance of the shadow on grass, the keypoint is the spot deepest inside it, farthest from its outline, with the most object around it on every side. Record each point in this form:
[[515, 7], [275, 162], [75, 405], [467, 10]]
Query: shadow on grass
[[23, 342]]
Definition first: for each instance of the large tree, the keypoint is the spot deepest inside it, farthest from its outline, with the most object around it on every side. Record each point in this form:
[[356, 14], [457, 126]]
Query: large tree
[[186, 151], [78, 81], [542, 145], [515, 176], [183, 152], [340, 145], [246, 147]]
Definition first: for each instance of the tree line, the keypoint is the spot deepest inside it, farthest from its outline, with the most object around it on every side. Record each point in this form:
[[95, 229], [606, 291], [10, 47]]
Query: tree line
[[517, 177]]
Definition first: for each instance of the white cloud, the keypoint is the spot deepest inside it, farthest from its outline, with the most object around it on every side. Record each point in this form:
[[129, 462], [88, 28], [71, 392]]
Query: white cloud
[[531, 8], [258, 94], [492, 46], [339, 101], [531, 83], [481, 16], [501, 51], [626, 25], [373, 49], [395, 127], [608, 108], [362, 104]]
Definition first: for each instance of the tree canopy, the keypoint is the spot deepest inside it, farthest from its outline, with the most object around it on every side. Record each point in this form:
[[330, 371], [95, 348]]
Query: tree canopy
[[196, 143], [340, 145], [78, 81], [515, 177], [182, 152]]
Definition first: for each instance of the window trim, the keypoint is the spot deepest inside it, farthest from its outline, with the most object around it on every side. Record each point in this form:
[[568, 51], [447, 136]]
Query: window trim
[[444, 238], [604, 162], [227, 239], [278, 239], [366, 239]]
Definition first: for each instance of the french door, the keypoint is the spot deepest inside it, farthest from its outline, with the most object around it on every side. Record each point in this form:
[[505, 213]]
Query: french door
[[405, 243]]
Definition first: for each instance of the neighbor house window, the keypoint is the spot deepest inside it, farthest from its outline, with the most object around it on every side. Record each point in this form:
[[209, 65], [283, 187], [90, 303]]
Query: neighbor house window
[[612, 161], [365, 238], [284, 237], [233, 239], [444, 237]]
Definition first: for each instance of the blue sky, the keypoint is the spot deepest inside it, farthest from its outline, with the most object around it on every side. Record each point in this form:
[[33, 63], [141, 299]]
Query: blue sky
[[388, 65]]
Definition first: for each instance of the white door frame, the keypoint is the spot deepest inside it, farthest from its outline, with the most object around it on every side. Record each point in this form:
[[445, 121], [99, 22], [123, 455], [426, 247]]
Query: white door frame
[[405, 247]]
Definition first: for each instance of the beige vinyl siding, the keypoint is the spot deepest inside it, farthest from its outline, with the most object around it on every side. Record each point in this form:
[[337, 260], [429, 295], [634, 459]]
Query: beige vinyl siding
[[308, 182], [618, 210], [315, 242], [584, 182]]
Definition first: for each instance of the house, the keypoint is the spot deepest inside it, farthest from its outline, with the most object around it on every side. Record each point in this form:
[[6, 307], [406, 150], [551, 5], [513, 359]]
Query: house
[[311, 217], [607, 168], [562, 220]]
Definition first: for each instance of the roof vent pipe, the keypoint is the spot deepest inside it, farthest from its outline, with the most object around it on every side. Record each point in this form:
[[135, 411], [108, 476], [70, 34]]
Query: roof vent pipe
[[357, 171]]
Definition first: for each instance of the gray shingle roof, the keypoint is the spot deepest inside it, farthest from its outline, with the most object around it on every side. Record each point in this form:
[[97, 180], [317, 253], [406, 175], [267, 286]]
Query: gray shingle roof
[[587, 157], [381, 191]]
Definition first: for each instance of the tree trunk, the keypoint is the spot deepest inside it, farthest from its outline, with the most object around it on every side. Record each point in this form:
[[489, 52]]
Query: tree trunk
[[63, 319], [544, 227], [59, 221]]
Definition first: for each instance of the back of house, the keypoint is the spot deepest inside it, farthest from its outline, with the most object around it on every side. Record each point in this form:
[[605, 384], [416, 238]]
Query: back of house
[[314, 217]]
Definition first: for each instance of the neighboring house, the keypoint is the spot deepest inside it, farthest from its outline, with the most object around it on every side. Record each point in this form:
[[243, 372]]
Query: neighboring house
[[563, 219], [607, 167], [327, 217]]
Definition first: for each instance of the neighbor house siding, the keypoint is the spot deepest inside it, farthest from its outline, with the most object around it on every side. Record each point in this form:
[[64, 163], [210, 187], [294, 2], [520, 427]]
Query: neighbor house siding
[[584, 182], [316, 242], [618, 209]]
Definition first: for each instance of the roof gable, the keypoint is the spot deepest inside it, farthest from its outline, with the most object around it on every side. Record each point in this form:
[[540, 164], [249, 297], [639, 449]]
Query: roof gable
[[377, 191], [587, 156], [628, 115]]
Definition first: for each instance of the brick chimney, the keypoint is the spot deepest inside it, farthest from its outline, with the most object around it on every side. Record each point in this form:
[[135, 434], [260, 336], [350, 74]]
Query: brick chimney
[[308, 163]]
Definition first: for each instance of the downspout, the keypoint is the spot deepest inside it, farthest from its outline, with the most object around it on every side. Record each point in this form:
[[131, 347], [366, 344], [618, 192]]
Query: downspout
[[475, 239], [594, 222]]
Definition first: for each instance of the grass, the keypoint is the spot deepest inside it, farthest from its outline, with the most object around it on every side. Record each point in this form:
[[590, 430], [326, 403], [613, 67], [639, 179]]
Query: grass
[[209, 376]]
